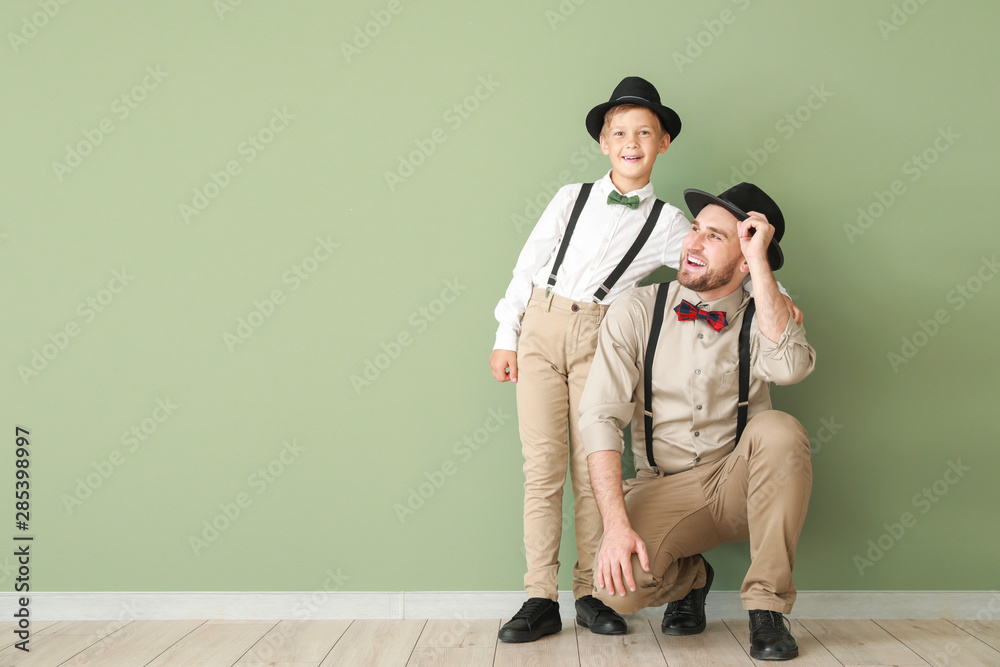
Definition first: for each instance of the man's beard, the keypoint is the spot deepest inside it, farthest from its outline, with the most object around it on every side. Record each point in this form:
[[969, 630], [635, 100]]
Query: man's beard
[[711, 279]]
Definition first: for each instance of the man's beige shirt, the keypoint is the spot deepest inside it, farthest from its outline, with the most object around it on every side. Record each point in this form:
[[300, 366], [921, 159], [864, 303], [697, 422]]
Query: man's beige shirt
[[695, 378]]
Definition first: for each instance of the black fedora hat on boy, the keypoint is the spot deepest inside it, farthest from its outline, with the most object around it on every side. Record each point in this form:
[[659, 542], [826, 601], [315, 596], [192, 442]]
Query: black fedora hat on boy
[[634, 90], [738, 200]]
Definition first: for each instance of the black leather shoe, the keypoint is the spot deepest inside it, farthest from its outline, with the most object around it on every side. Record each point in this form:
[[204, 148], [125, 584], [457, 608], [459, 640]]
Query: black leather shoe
[[771, 636], [538, 617], [687, 615], [599, 617]]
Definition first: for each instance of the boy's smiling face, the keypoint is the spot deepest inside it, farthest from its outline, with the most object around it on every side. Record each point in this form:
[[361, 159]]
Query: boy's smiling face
[[632, 139]]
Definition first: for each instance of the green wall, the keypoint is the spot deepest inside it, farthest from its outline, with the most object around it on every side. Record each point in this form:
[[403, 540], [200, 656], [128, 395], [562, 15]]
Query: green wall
[[219, 216]]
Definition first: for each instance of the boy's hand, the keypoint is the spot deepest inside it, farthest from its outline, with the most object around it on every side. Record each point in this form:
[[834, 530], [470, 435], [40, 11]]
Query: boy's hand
[[796, 313], [503, 363]]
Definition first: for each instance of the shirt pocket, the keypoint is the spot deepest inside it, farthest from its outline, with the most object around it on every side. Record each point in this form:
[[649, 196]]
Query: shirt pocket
[[726, 394]]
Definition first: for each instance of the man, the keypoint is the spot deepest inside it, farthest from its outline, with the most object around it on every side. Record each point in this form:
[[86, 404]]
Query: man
[[698, 482]]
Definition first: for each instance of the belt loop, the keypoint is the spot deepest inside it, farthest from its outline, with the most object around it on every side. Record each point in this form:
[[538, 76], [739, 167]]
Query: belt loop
[[548, 302]]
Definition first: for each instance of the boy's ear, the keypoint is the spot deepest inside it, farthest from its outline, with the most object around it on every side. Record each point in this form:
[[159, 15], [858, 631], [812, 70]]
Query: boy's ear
[[604, 145], [664, 143]]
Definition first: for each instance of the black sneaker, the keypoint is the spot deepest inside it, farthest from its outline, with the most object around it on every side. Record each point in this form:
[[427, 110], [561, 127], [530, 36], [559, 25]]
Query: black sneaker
[[687, 615], [771, 636], [537, 617], [599, 617]]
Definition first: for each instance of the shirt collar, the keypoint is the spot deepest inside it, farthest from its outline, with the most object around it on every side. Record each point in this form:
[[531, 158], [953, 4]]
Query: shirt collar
[[607, 187], [731, 304]]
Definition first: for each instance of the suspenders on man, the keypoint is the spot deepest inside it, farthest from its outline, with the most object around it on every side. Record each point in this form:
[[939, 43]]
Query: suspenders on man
[[647, 371]]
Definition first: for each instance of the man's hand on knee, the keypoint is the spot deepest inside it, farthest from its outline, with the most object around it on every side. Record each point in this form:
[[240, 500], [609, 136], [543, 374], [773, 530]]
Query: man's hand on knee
[[613, 571]]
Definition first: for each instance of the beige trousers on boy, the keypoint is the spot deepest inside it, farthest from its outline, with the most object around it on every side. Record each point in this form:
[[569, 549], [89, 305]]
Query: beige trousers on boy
[[760, 492], [556, 348]]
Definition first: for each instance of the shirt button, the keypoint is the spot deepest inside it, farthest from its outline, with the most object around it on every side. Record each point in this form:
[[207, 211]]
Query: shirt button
[[575, 308], [697, 433], [701, 335], [697, 371], [699, 407]]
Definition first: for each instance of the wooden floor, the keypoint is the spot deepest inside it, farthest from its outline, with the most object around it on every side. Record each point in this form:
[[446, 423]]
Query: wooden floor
[[474, 642]]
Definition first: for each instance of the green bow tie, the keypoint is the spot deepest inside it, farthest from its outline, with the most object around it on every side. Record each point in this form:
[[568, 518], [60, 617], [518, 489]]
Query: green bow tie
[[615, 198]]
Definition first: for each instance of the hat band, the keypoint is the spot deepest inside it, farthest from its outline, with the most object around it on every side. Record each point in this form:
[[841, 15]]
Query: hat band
[[632, 97]]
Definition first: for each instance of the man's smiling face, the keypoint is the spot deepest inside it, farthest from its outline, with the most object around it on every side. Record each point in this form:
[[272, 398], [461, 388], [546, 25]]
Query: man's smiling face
[[711, 255]]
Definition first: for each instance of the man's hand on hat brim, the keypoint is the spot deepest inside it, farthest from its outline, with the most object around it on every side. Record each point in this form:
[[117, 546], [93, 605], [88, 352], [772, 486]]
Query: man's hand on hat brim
[[755, 236]]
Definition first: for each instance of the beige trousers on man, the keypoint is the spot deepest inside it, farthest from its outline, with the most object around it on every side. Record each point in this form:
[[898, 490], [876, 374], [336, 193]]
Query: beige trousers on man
[[556, 348], [759, 491]]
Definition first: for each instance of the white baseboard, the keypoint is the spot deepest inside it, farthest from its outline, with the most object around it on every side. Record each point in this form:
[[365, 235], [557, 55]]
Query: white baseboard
[[984, 605]]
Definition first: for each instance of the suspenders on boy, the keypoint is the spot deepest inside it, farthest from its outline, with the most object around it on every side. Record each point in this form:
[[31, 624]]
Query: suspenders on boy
[[647, 371], [640, 240]]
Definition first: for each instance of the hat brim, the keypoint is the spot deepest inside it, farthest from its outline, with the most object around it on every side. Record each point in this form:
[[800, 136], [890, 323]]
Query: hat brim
[[668, 117], [696, 200]]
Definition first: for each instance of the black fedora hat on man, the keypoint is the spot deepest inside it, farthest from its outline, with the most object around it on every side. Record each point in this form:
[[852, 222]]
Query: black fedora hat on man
[[738, 200], [634, 90]]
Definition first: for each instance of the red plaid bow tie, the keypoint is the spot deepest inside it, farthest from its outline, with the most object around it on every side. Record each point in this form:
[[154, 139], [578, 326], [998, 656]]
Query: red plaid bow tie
[[688, 311]]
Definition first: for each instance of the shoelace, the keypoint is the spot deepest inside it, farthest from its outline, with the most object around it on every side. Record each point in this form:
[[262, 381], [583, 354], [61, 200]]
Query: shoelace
[[766, 618], [531, 608], [686, 605], [593, 604]]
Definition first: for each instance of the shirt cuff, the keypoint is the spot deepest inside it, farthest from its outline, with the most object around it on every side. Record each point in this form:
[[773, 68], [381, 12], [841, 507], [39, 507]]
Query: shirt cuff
[[777, 350], [602, 437], [506, 339]]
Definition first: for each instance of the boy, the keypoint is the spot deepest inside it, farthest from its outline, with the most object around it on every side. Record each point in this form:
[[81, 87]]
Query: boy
[[562, 307]]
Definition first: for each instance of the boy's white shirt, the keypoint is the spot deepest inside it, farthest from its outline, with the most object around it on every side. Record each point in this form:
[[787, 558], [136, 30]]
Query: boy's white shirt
[[603, 234]]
